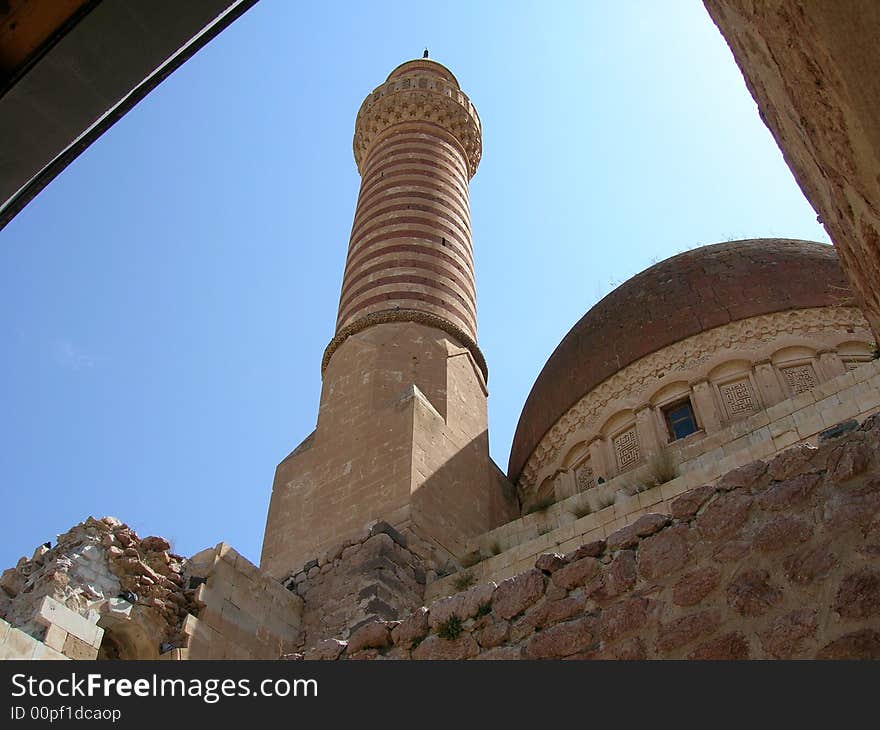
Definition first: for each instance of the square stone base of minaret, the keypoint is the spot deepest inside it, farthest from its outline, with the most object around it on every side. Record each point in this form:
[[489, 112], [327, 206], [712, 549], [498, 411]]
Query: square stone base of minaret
[[402, 437]]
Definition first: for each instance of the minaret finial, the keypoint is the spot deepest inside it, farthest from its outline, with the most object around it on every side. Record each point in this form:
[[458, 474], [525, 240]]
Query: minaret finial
[[425, 54]]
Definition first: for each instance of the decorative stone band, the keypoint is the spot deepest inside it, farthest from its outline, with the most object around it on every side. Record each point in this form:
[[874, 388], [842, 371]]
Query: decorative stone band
[[406, 315], [744, 334], [419, 98]]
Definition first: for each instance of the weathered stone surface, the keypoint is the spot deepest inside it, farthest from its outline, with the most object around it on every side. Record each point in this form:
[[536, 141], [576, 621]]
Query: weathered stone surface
[[464, 605], [75, 648], [809, 564], [784, 637], [576, 574], [397, 652], [372, 635], [724, 516], [550, 562], [623, 617], [326, 650], [751, 593], [791, 493], [848, 461], [863, 644], [693, 587], [664, 552], [157, 544], [751, 477], [631, 649], [844, 511], [364, 655], [859, 594], [793, 462], [515, 595], [413, 628], [682, 631], [782, 531], [625, 537], [590, 550], [386, 529], [12, 582], [493, 634], [562, 639], [731, 646], [559, 610], [617, 578], [546, 613], [501, 653], [689, 503], [838, 430], [629, 536], [464, 647], [728, 552]]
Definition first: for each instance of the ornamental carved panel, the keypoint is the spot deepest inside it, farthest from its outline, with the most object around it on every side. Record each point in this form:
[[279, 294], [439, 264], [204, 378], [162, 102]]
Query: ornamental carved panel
[[626, 449], [799, 378], [584, 477], [738, 397]]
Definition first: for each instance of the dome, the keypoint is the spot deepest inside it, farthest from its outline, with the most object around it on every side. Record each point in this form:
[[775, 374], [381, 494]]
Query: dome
[[668, 302]]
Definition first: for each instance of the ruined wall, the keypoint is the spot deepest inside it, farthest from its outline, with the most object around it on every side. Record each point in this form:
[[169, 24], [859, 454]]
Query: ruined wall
[[779, 559], [68, 595], [16, 644], [372, 577], [104, 593], [813, 67]]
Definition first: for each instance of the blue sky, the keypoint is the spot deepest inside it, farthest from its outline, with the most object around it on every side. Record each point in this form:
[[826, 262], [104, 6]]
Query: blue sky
[[165, 302]]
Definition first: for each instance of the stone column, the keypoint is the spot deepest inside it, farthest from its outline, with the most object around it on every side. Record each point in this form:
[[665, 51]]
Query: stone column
[[705, 406], [768, 383], [830, 364], [599, 458], [564, 484], [646, 425]]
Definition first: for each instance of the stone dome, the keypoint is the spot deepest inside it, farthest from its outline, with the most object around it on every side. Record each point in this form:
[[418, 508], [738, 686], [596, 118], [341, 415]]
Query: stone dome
[[682, 296]]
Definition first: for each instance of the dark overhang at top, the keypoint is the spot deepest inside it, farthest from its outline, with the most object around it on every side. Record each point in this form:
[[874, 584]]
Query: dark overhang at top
[[69, 69]]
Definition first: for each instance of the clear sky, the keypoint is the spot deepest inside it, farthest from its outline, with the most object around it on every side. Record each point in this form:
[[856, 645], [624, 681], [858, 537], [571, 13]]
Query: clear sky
[[165, 302]]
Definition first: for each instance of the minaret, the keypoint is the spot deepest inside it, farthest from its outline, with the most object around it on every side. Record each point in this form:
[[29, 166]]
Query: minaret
[[417, 144], [402, 425]]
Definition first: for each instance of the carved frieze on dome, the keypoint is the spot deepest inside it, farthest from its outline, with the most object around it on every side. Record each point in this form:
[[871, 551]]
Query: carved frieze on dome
[[745, 335]]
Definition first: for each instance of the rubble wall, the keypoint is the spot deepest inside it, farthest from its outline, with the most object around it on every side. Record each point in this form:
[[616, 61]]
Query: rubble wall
[[102, 592], [778, 559], [374, 576]]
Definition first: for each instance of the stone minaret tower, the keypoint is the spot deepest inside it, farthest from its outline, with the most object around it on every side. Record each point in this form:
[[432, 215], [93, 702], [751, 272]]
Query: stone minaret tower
[[402, 425]]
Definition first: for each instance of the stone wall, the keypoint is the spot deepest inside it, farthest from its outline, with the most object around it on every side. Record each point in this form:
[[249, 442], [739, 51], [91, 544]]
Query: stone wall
[[374, 577], [813, 68], [514, 547], [240, 612], [779, 559], [16, 644]]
